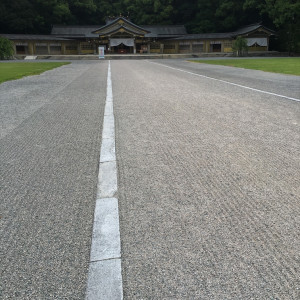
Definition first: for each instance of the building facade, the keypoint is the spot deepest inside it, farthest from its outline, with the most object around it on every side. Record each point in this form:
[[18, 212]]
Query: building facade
[[121, 36]]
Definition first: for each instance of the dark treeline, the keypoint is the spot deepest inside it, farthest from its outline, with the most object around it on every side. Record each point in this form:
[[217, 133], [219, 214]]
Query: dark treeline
[[199, 16]]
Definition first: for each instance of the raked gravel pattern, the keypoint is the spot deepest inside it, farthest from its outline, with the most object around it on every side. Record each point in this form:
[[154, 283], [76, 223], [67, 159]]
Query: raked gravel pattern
[[209, 180], [50, 147]]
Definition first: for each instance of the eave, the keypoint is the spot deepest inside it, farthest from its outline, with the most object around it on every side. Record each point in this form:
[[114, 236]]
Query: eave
[[118, 24]]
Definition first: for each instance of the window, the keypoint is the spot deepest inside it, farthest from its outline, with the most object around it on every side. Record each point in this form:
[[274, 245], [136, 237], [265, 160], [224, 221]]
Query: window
[[87, 47], [155, 46], [71, 47], [184, 46], [227, 44], [169, 46], [55, 49], [21, 49], [41, 48], [197, 47], [215, 47]]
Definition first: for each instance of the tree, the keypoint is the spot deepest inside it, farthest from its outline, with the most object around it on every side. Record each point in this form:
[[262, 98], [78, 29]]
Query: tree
[[204, 20], [6, 48], [150, 11], [184, 11], [240, 46], [82, 11], [17, 16], [285, 15], [228, 14]]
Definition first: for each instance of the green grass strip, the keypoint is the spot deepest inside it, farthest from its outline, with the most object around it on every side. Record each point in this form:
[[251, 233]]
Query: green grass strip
[[16, 70], [276, 65]]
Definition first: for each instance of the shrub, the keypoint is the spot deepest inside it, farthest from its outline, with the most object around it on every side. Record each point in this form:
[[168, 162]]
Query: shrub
[[240, 47], [6, 48]]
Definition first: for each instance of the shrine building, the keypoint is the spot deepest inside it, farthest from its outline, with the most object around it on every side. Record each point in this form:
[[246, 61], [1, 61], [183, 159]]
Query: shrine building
[[121, 36]]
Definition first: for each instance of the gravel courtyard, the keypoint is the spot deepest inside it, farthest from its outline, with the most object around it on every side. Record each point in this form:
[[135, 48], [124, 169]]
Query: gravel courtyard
[[208, 180]]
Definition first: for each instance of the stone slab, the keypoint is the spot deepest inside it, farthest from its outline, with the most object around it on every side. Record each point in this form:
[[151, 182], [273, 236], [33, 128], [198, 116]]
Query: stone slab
[[107, 180], [105, 281], [108, 127], [109, 109], [106, 233], [108, 152]]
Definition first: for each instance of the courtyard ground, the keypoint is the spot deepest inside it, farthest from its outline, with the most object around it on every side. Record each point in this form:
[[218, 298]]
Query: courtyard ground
[[208, 180]]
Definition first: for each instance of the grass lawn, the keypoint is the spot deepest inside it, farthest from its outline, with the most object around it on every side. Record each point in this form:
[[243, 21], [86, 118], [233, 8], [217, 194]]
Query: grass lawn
[[12, 70], [276, 65]]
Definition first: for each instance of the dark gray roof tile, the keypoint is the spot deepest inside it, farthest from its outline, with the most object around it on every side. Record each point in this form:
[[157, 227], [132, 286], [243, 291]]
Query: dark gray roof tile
[[205, 36], [33, 37], [164, 30], [75, 31], [250, 28]]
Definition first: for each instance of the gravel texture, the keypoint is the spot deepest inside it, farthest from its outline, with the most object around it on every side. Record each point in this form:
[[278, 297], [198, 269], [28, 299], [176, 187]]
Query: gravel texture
[[50, 147], [208, 182], [208, 178]]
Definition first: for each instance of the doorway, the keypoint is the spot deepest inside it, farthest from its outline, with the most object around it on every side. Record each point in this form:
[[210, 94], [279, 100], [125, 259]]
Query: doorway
[[20, 49], [122, 49]]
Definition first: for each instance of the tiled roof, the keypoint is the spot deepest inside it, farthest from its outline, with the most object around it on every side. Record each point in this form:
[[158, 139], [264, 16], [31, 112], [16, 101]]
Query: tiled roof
[[33, 37], [120, 22], [177, 32], [75, 31], [226, 35], [164, 30], [205, 36]]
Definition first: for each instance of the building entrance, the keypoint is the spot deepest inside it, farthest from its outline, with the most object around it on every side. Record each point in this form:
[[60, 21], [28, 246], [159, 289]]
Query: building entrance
[[122, 45], [122, 49]]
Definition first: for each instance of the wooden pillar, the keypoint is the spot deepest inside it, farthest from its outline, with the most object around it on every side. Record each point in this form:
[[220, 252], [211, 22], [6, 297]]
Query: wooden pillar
[[148, 48], [176, 47], [161, 48], [48, 46], [63, 48], [15, 48], [30, 48], [191, 47], [207, 46]]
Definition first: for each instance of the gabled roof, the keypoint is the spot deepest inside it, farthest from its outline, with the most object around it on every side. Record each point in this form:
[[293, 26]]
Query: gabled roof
[[119, 24], [227, 35], [252, 28], [88, 31], [177, 32]]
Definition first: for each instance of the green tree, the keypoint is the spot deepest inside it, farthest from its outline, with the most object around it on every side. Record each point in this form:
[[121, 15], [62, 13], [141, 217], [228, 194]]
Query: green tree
[[184, 11], [6, 48], [17, 16], [150, 11], [240, 46], [51, 12], [82, 11], [285, 15], [107, 8], [204, 20]]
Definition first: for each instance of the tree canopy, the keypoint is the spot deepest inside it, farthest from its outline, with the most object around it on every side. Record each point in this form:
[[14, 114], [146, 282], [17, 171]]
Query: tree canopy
[[199, 16]]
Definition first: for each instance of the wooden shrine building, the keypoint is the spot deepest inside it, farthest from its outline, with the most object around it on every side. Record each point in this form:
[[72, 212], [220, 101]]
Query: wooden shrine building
[[121, 36]]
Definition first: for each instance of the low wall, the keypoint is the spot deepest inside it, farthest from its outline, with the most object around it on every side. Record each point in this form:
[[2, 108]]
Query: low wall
[[150, 56]]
